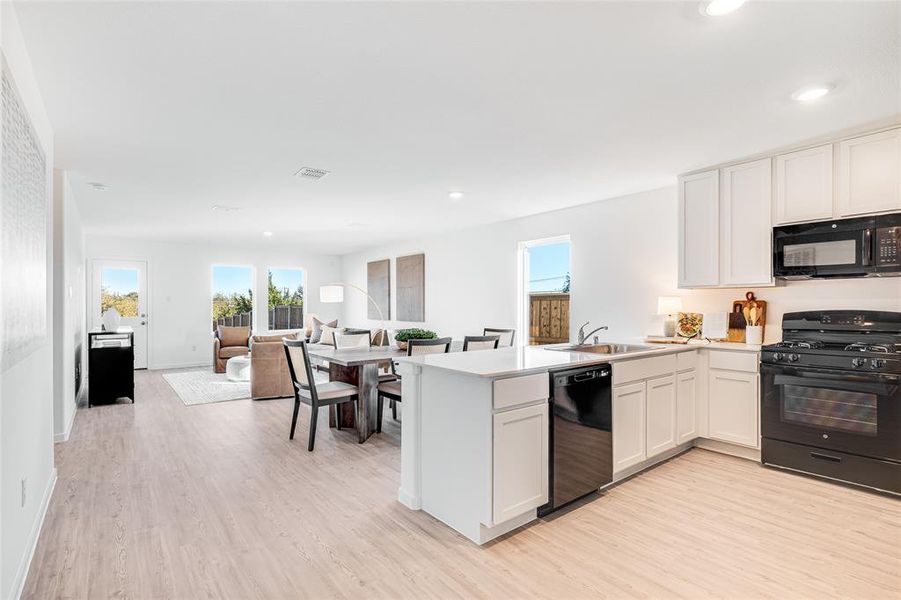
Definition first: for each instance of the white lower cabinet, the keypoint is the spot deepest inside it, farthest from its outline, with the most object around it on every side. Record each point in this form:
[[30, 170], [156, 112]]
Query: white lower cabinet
[[686, 407], [628, 425], [661, 415], [732, 408], [657, 412], [520, 465]]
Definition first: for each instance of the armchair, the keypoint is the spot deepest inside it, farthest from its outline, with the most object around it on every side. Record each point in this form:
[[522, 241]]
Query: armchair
[[228, 343]]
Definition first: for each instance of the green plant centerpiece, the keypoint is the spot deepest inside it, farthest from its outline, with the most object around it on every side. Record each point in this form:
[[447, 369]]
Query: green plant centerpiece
[[402, 336]]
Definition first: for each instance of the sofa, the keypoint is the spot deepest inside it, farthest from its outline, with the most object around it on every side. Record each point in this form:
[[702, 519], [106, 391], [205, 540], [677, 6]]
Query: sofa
[[229, 342], [269, 376]]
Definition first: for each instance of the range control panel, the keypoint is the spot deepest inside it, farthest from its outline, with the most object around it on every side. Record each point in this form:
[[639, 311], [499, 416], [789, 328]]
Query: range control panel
[[888, 246]]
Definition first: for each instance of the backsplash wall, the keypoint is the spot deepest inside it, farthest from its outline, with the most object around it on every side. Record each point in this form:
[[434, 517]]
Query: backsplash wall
[[624, 255]]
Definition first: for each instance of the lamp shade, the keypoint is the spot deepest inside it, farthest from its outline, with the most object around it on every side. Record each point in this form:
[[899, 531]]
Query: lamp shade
[[331, 293], [668, 305]]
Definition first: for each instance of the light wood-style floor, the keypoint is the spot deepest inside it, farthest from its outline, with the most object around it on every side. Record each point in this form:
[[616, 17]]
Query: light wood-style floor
[[163, 500]]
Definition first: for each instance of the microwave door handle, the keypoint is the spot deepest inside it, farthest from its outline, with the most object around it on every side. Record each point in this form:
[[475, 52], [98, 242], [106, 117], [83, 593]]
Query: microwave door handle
[[867, 247]]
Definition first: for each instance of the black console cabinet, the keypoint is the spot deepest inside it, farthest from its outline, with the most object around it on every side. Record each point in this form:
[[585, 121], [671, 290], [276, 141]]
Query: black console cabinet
[[111, 365]]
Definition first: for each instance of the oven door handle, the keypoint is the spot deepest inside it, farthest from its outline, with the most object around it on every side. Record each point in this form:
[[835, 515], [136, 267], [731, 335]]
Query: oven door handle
[[828, 374], [834, 382]]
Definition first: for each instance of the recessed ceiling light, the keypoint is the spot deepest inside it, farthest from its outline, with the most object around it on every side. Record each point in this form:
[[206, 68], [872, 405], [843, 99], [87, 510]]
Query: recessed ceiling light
[[267, 234], [812, 93], [718, 8], [455, 195], [223, 208], [100, 187]]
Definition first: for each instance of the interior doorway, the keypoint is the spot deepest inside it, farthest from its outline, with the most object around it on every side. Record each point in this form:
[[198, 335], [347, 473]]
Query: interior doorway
[[122, 284], [544, 290]]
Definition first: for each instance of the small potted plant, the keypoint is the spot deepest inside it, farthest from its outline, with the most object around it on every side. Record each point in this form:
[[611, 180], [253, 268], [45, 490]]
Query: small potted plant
[[402, 336]]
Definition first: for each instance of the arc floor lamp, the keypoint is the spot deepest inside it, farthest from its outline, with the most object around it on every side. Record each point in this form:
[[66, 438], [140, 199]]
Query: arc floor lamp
[[331, 293]]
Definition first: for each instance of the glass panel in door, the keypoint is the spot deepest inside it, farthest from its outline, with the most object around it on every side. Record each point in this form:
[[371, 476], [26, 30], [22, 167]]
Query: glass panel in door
[[119, 290], [830, 409], [122, 285]]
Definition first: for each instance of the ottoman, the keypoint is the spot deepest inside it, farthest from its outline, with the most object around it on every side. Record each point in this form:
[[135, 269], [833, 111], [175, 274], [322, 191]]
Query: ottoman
[[238, 368]]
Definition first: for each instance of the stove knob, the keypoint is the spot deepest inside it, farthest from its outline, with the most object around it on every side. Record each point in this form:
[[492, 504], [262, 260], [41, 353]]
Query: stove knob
[[858, 362], [793, 358], [877, 363], [778, 356]]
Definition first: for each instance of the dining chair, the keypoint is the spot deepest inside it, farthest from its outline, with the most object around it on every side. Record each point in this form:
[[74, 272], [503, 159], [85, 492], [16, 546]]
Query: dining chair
[[480, 342], [392, 389], [506, 335], [353, 338], [308, 391]]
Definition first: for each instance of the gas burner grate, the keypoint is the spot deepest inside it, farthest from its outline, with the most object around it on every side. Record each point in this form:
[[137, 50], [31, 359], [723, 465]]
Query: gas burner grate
[[860, 347]]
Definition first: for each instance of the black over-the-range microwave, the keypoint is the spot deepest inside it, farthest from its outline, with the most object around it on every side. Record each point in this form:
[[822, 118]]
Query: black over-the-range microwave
[[859, 247]]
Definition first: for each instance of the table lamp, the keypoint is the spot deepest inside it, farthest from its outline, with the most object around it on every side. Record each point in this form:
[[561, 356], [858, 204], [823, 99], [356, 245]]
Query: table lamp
[[669, 306]]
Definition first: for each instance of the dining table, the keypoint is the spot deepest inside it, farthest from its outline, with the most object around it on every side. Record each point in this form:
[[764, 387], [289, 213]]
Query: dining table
[[360, 367]]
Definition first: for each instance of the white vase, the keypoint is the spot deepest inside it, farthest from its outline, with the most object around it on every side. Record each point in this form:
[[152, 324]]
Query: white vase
[[754, 335], [111, 319]]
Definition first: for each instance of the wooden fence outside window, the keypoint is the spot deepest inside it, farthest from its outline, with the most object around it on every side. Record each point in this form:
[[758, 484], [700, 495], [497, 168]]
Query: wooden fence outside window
[[548, 318]]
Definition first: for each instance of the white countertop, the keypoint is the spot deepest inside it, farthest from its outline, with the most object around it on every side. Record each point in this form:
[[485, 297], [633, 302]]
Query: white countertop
[[536, 359]]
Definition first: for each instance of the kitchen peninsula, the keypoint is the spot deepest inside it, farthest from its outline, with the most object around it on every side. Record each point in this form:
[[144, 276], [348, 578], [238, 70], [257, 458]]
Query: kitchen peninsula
[[475, 449]]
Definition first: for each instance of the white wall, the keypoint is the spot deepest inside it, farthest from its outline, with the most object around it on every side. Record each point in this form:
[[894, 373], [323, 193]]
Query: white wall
[[180, 288], [624, 255], [26, 409], [69, 304]]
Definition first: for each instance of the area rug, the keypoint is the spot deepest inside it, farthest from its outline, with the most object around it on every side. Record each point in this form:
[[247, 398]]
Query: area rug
[[206, 387]]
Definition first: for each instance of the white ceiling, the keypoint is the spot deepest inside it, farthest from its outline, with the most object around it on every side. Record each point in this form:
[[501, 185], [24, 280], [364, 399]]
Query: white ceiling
[[526, 107]]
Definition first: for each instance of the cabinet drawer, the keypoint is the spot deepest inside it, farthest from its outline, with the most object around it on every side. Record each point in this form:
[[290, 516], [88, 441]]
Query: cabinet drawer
[[643, 368], [520, 390], [687, 360], [734, 361]]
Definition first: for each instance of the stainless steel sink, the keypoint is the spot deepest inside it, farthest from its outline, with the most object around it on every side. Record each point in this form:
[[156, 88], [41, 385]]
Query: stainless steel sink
[[602, 348]]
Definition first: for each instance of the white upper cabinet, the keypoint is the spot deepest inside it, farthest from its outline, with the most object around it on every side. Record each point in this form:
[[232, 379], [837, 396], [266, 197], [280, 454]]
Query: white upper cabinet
[[699, 230], [869, 174], [747, 233], [803, 186]]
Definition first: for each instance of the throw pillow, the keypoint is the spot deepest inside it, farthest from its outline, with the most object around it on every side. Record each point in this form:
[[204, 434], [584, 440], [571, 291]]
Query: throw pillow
[[328, 335], [317, 329]]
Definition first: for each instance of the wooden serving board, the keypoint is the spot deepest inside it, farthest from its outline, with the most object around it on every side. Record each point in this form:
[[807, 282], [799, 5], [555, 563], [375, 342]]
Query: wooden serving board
[[737, 318]]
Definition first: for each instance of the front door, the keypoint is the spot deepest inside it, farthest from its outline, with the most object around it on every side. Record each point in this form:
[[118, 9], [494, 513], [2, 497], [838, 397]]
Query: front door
[[122, 284]]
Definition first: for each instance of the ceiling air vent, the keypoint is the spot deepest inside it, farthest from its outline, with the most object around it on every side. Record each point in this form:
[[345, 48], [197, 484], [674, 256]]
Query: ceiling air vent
[[311, 173]]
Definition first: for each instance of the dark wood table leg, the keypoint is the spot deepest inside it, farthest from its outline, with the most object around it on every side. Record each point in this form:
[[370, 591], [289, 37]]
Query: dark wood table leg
[[367, 406], [366, 378]]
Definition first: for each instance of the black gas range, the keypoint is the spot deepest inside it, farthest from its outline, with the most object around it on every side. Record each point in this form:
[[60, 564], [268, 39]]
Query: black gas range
[[831, 397]]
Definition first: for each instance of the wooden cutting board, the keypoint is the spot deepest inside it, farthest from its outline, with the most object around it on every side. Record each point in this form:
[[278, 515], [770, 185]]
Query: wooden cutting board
[[737, 318]]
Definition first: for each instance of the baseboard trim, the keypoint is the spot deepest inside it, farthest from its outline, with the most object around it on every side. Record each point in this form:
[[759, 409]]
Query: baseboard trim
[[64, 436], [727, 448], [24, 566], [628, 472], [164, 367]]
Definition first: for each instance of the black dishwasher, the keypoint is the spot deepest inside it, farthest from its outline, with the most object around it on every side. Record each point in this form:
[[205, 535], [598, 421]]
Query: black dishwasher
[[581, 434]]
